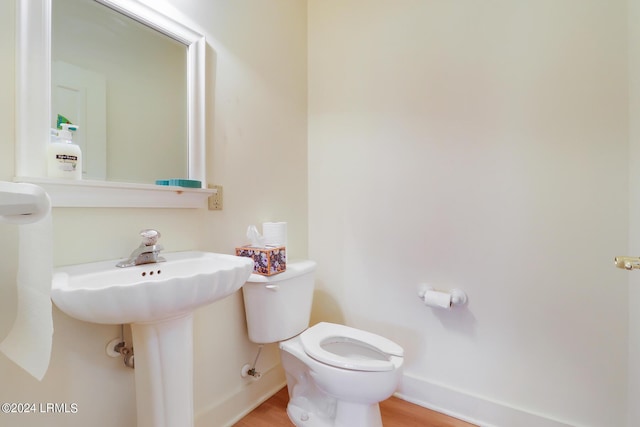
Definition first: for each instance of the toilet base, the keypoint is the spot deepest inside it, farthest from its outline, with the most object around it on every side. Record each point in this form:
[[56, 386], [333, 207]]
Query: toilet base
[[301, 417], [347, 415]]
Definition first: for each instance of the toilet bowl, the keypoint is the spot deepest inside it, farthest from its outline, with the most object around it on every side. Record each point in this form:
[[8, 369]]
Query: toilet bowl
[[336, 375], [352, 369]]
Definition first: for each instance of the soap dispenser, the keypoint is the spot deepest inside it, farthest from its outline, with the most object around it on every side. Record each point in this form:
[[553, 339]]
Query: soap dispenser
[[64, 158]]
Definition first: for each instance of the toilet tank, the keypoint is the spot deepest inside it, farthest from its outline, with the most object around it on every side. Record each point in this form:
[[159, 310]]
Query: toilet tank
[[278, 307]]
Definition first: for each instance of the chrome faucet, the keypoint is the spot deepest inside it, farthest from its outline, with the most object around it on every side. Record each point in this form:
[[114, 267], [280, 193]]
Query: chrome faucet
[[148, 252]]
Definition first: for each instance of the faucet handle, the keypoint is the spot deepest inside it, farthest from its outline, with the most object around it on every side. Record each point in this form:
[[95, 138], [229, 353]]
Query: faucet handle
[[149, 236]]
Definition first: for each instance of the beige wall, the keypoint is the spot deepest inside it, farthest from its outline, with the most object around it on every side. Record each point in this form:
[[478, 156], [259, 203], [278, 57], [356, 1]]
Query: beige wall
[[483, 146], [256, 142]]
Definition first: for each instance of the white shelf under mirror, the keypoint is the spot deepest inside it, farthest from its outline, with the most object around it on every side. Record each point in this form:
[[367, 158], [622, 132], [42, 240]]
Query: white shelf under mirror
[[107, 194], [33, 112]]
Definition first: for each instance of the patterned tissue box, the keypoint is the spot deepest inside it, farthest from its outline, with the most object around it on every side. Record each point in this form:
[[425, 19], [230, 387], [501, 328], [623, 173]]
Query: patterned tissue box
[[266, 261]]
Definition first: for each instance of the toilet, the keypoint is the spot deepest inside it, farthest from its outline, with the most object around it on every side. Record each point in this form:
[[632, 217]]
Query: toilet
[[336, 375]]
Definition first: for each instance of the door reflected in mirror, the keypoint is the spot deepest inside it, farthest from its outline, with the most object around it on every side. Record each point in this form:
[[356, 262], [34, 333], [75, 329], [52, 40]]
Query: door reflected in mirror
[[125, 85]]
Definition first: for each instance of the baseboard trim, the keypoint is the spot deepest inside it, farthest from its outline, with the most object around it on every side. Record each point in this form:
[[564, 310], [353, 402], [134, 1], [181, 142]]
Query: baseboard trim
[[468, 407], [462, 405]]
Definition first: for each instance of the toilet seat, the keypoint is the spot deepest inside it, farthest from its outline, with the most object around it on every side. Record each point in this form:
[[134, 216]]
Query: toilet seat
[[326, 334]]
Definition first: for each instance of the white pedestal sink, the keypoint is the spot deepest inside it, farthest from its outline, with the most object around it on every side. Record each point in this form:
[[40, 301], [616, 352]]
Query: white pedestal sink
[[158, 301]]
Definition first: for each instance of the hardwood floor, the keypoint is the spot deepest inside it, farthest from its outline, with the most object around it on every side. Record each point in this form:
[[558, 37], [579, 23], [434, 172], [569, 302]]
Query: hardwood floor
[[395, 413]]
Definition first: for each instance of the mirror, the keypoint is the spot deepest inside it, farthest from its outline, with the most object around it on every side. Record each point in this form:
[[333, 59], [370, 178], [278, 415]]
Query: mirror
[[125, 85], [127, 160]]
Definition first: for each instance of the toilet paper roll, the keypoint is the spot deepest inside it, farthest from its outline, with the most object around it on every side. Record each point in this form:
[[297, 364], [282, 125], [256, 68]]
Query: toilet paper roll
[[275, 233], [437, 299], [28, 343]]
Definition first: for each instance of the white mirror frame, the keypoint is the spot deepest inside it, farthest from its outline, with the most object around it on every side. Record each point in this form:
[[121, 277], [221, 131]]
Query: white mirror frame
[[33, 105]]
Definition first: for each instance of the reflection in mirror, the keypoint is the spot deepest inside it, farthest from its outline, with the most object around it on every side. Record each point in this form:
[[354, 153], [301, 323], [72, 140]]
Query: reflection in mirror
[[125, 85]]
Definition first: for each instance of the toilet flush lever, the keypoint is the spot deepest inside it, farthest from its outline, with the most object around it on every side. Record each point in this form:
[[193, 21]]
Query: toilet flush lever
[[272, 287], [627, 262]]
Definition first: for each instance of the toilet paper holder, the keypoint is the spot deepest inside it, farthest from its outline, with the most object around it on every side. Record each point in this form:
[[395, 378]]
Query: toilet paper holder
[[434, 298], [22, 203]]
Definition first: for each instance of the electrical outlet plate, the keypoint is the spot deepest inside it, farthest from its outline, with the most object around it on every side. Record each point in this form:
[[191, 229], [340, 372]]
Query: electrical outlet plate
[[215, 200]]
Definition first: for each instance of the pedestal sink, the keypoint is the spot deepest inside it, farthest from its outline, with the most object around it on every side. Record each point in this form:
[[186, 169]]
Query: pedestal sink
[[158, 301]]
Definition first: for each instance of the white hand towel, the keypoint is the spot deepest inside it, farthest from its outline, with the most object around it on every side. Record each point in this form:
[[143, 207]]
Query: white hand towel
[[29, 341]]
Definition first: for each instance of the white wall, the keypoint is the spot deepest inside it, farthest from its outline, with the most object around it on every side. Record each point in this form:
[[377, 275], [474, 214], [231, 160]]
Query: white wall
[[256, 142], [479, 145]]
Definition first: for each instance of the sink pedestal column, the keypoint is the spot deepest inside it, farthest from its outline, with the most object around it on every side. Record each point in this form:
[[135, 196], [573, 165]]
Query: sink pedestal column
[[164, 372]]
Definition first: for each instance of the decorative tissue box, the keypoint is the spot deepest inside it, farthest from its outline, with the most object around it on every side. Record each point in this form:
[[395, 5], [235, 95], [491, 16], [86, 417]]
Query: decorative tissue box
[[266, 261]]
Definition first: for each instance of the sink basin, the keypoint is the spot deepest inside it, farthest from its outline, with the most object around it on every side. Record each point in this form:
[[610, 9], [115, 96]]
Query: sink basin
[[158, 301], [100, 292]]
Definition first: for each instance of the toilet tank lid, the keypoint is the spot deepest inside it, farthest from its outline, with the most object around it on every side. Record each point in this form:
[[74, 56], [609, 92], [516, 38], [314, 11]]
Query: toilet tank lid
[[294, 269]]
